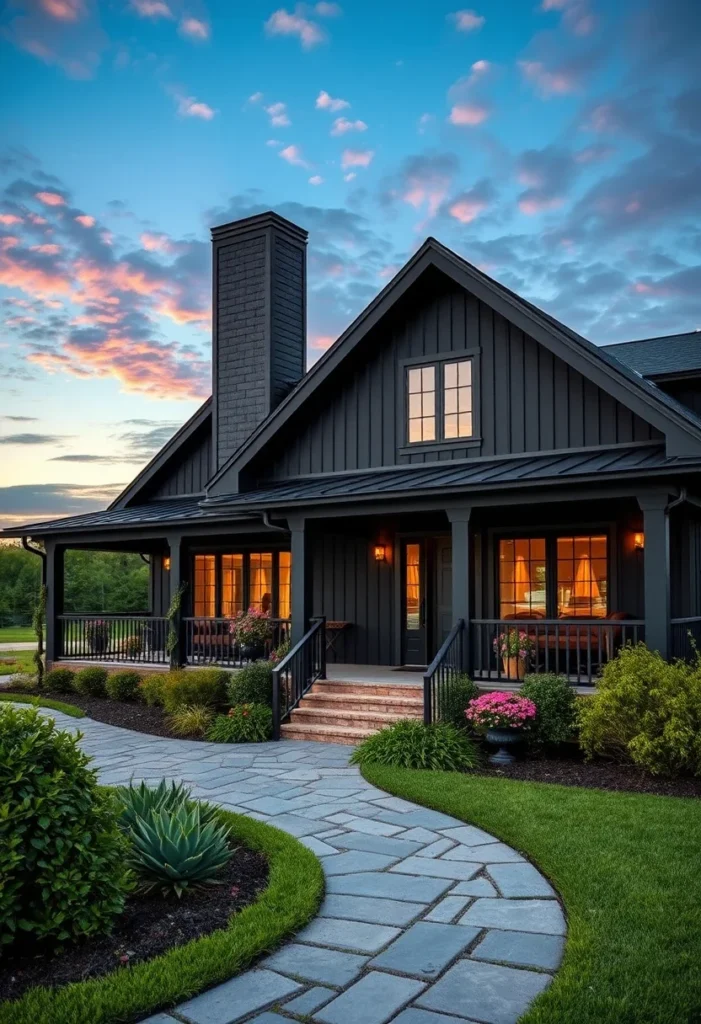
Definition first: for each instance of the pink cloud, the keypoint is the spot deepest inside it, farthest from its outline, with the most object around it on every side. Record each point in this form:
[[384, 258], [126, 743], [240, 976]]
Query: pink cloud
[[152, 9], [64, 10], [466, 209], [188, 106], [467, 21], [532, 205], [86, 220], [278, 115], [316, 179], [326, 102], [50, 198], [156, 242], [18, 273], [293, 155], [48, 249], [356, 158], [193, 28], [284, 23], [342, 125], [468, 114], [548, 83], [328, 10], [10, 218], [320, 342], [576, 14]]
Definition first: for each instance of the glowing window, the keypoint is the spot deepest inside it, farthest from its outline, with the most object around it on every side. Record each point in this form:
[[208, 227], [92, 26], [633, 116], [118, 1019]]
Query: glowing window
[[582, 576], [413, 586], [421, 403], [260, 587], [205, 586], [231, 585], [457, 399], [283, 594], [522, 578]]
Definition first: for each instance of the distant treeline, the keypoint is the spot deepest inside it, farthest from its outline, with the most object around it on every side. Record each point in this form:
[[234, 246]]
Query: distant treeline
[[95, 581]]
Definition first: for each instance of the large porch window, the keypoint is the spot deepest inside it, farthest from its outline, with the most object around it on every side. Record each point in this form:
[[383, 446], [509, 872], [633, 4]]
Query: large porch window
[[553, 577], [225, 584]]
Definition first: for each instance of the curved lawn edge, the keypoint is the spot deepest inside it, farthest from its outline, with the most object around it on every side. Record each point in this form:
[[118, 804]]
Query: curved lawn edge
[[43, 702], [294, 892]]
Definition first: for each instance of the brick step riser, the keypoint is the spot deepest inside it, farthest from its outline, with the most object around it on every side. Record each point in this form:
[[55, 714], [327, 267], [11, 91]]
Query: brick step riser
[[289, 733], [406, 710], [302, 716], [367, 689]]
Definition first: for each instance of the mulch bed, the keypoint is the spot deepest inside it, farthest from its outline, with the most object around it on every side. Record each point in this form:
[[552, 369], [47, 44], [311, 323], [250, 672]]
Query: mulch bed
[[131, 714], [572, 770], [149, 926]]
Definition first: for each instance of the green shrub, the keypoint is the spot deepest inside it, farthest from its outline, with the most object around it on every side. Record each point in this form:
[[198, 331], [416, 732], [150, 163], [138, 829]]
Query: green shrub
[[245, 723], [556, 704], [24, 682], [123, 685], [91, 681], [143, 801], [252, 684], [203, 687], [411, 744], [190, 720], [62, 855], [151, 688], [60, 680], [647, 711], [174, 850], [454, 699]]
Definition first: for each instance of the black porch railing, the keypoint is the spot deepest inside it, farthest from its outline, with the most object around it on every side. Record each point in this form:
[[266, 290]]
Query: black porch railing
[[444, 670], [577, 649], [210, 642], [140, 638], [297, 672], [685, 637]]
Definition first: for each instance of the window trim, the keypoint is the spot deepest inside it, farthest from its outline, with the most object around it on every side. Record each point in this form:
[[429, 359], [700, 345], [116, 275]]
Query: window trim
[[438, 361], [246, 552], [551, 534]]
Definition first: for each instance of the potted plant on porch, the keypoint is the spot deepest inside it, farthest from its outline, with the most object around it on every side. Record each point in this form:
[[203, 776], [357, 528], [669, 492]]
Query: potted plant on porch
[[252, 632], [513, 646], [503, 716], [97, 635]]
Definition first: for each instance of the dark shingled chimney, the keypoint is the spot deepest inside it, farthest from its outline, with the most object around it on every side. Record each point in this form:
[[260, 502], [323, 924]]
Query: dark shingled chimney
[[259, 323]]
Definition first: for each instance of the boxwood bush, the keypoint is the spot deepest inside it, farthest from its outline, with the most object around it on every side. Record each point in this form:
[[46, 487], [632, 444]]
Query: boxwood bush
[[201, 687], [454, 699], [253, 684], [151, 688], [91, 681], [556, 704], [245, 723], [411, 744], [62, 855], [60, 680], [123, 685]]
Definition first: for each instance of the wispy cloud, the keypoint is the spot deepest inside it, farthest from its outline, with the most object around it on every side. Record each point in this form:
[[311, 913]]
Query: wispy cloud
[[152, 9], [467, 21], [194, 28], [326, 102], [64, 10], [293, 155], [295, 23], [85, 220], [342, 126], [51, 198], [188, 106], [576, 14], [278, 115], [470, 114], [33, 439], [356, 158], [316, 179]]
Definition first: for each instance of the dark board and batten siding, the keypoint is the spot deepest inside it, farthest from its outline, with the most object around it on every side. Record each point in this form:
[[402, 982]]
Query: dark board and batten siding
[[529, 399], [189, 470], [288, 317]]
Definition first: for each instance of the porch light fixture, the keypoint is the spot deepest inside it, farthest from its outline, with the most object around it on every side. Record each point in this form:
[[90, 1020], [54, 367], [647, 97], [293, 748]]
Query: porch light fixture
[[380, 553], [166, 563], [639, 541]]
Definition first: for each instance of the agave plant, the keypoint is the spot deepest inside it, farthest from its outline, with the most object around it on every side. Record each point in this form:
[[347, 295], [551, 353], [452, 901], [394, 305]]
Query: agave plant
[[174, 850], [142, 801]]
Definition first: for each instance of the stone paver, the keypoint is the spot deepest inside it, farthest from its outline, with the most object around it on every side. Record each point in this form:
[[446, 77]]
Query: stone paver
[[426, 920]]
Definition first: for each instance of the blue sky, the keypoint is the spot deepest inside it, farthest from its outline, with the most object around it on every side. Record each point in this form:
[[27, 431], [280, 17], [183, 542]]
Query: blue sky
[[554, 143]]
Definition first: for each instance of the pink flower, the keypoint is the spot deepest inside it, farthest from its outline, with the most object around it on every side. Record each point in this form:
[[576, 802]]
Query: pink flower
[[500, 709]]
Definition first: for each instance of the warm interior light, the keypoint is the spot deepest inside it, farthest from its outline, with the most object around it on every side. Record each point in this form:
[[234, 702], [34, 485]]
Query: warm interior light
[[639, 541], [166, 563], [379, 552], [522, 579], [585, 582]]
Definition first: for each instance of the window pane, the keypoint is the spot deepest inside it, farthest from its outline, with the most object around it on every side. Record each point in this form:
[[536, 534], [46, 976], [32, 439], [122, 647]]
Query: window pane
[[415, 430], [413, 586], [204, 596], [522, 577], [429, 403], [284, 573], [582, 576], [421, 404], [231, 585], [414, 381], [428, 377], [260, 591], [429, 429], [457, 397], [414, 406]]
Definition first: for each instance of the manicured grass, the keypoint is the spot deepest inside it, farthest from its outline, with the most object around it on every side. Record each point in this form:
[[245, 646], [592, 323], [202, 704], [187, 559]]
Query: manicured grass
[[43, 702], [294, 891], [23, 661], [627, 868], [17, 635]]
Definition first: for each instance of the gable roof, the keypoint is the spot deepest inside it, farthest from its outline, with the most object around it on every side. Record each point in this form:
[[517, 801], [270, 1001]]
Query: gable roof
[[160, 460], [657, 357], [681, 427]]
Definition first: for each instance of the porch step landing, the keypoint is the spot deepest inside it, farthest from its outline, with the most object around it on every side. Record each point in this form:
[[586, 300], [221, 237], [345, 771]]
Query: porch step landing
[[348, 712]]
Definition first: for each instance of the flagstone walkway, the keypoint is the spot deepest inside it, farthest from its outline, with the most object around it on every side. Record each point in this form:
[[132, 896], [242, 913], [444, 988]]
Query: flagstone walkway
[[426, 920]]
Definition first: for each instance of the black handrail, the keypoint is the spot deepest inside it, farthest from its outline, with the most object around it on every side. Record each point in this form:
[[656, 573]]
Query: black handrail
[[298, 671], [447, 665]]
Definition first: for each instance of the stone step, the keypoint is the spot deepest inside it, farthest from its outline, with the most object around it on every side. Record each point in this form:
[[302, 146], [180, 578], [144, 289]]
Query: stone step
[[360, 689], [405, 707], [325, 733], [335, 716]]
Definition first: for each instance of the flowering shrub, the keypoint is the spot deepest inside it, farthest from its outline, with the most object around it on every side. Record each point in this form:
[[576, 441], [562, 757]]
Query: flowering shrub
[[500, 710], [280, 652], [251, 628], [245, 723], [514, 643]]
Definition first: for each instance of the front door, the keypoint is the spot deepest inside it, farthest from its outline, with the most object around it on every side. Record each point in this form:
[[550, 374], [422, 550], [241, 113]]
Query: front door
[[414, 603]]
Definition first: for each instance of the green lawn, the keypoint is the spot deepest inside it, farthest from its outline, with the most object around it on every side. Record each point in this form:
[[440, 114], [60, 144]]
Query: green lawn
[[21, 661], [17, 635], [42, 702], [628, 868]]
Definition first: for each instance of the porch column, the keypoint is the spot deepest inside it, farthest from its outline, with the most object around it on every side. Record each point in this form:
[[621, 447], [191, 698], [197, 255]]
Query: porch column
[[460, 526], [299, 581], [54, 600], [656, 570], [177, 575]]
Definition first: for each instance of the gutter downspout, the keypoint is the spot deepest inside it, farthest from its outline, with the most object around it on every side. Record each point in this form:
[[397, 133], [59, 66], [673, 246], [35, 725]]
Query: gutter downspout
[[272, 526], [40, 634], [36, 551]]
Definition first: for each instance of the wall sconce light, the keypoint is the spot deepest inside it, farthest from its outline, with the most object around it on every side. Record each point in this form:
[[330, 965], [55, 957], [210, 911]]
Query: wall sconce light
[[166, 563], [639, 541], [380, 553]]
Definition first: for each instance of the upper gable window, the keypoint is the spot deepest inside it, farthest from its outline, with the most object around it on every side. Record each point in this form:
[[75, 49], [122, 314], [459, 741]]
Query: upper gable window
[[440, 402]]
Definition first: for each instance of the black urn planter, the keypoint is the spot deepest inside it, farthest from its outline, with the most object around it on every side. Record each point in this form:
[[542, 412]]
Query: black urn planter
[[505, 739], [252, 652]]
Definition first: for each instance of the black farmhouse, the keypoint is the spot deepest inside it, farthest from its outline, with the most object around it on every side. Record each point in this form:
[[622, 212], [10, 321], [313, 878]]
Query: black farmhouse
[[458, 465]]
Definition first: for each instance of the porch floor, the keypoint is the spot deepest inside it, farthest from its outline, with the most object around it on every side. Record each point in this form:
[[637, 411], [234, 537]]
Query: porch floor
[[373, 675]]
